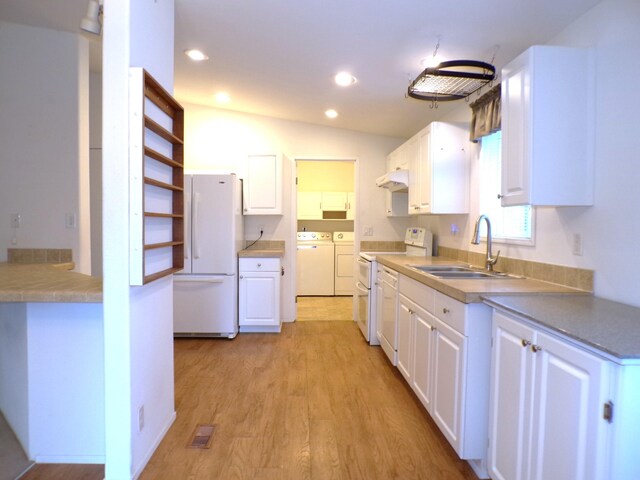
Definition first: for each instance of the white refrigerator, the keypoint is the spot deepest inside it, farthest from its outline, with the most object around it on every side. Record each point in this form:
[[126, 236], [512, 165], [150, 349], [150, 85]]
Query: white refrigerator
[[205, 293]]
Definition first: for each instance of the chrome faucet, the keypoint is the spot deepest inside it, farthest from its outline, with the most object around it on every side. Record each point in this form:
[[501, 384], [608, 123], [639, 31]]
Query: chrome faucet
[[490, 261]]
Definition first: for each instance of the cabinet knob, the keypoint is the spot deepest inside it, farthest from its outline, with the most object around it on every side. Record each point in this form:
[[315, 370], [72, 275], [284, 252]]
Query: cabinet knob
[[525, 343], [433, 327], [500, 196], [241, 277], [282, 271], [536, 348], [445, 310], [245, 209], [259, 265]]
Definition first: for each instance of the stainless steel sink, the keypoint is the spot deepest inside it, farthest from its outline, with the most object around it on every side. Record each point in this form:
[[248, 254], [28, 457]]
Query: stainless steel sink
[[441, 268], [453, 272]]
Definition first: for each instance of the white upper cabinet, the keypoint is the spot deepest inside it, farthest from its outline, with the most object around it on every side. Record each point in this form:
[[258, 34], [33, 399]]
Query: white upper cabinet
[[439, 170], [335, 201], [309, 205], [262, 185], [548, 128]]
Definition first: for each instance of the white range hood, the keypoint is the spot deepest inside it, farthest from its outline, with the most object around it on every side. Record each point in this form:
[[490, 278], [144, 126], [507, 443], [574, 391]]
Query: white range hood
[[396, 180]]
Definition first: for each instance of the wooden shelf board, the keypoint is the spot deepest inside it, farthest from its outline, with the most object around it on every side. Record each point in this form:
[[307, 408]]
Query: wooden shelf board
[[149, 152], [163, 273], [152, 246], [163, 215], [167, 186], [161, 131]]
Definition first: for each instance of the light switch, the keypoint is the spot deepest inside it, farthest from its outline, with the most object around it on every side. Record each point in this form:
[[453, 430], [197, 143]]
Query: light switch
[[70, 220]]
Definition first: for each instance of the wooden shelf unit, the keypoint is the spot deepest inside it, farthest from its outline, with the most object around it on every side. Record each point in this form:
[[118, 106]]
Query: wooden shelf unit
[[156, 179]]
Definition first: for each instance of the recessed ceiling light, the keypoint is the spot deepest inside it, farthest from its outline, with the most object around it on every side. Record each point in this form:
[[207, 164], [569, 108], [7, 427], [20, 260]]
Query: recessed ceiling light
[[196, 55], [344, 79], [223, 97], [331, 113]]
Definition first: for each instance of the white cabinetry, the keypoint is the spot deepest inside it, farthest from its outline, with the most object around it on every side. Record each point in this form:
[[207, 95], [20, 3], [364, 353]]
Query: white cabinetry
[[438, 170], [547, 399], [444, 353], [388, 322], [334, 201], [262, 185], [548, 128], [309, 206], [351, 205], [259, 294]]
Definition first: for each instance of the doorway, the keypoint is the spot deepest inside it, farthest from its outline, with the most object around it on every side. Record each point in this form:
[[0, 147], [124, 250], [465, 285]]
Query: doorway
[[325, 225]]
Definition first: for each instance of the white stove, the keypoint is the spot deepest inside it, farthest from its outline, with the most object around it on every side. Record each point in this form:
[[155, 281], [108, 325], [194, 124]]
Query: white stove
[[419, 242]]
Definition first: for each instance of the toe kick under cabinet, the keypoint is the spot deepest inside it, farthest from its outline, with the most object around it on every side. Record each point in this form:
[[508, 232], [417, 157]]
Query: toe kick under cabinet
[[259, 294], [444, 352]]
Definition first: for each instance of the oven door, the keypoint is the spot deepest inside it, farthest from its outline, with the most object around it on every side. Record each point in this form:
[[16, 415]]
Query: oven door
[[364, 272], [362, 304]]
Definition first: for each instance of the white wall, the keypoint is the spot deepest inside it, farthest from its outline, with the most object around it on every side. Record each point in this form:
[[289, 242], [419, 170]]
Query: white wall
[[220, 140], [44, 137], [610, 229], [138, 320]]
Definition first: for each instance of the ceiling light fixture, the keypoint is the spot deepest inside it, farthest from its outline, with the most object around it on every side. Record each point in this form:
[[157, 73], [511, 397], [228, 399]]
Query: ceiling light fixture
[[91, 21], [331, 113], [345, 79], [223, 97], [196, 55]]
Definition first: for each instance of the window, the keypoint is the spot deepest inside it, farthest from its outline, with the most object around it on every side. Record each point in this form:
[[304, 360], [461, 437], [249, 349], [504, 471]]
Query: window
[[508, 224]]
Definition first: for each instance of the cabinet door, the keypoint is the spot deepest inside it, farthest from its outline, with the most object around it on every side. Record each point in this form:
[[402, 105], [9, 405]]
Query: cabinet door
[[309, 205], [351, 205], [423, 333], [334, 201], [424, 162], [379, 302], [569, 434], [259, 298], [406, 308], [262, 185], [388, 341], [509, 407], [515, 109], [413, 154], [449, 376]]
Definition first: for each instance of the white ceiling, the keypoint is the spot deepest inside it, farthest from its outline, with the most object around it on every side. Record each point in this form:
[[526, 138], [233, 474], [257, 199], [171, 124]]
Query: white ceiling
[[278, 57]]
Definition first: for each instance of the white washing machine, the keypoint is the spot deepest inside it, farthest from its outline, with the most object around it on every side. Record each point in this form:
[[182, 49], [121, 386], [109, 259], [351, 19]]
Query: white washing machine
[[315, 272], [344, 266]]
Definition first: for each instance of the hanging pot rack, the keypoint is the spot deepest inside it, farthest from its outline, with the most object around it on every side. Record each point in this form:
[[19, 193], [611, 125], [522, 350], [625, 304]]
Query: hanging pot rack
[[451, 80]]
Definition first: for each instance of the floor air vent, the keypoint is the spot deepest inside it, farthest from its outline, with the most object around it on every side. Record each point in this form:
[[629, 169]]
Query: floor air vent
[[202, 436]]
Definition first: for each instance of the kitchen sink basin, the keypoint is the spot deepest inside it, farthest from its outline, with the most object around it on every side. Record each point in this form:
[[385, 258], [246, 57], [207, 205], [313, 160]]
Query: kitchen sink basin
[[453, 272], [441, 268]]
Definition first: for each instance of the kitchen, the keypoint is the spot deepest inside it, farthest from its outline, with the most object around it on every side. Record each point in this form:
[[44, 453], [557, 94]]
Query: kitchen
[[607, 229]]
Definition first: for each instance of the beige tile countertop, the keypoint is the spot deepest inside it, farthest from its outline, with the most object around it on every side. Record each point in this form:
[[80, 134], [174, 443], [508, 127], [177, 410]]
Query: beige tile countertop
[[470, 290], [47, 283], [261, 253]]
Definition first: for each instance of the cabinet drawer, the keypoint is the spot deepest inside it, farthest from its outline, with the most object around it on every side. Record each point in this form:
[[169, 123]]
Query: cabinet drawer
[[259, 264], [451, 311], [390, 276], [417, 292]]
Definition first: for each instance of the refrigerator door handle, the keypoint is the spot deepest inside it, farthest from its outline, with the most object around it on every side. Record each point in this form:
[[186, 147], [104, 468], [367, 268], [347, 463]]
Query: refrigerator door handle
[[194, 225], [187, 222], [198, 280]]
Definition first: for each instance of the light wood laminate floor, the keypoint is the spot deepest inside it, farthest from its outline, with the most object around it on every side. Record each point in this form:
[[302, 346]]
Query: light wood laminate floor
[[314, 402], [325, 308]]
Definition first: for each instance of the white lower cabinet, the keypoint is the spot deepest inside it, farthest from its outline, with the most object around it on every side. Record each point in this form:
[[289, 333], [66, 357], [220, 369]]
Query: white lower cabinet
[[444, 354], [259, 294], [546, 409]]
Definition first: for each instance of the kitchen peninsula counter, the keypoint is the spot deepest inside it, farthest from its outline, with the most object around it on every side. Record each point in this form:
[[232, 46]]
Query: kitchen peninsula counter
[[470, 290], [52, 283]]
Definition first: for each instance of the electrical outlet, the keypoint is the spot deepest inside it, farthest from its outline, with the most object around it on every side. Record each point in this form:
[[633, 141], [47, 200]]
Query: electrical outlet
[[15, 220], [577, 244], [367, 232], [70, 220], [140, 418], [454, 230]]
